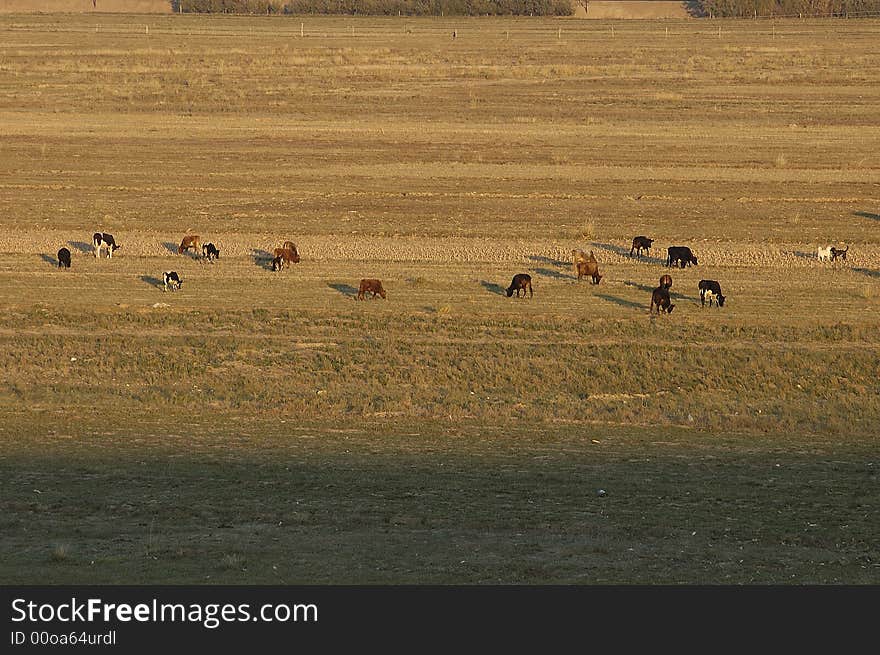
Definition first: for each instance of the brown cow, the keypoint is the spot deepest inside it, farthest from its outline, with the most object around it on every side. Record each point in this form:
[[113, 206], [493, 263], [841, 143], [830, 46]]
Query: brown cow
[[660, 297], [289, 256], [589, 268], [193, 241], [578, 256], [666, 281], [370, 285], [290, 246]]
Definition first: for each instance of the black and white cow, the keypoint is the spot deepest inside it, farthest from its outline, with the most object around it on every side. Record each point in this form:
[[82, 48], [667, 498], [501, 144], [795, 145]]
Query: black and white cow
[[210, 252], [64, 258], [680, 254], [172, 279], [710, 290], [103, 240]]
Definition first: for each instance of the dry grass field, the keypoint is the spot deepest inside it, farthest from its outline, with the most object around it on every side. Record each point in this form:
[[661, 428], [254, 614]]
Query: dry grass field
[[268, 427]]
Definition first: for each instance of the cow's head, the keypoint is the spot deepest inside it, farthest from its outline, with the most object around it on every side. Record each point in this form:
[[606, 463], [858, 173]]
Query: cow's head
[[670, 308], [382, 292], [720, 299], [693, 260], [510, 291]]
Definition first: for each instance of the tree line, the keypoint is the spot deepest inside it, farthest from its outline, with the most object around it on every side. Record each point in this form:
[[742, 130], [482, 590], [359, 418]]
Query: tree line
[[801, 8], [380, 7]]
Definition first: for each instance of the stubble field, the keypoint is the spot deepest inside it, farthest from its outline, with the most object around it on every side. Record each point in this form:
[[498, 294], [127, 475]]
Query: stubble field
[[268, 427]]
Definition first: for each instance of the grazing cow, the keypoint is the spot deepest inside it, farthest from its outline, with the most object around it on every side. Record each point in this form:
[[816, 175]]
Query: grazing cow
[[680, 254], [639, 244], [278, 263], [660, 298], [370, 285], [290, 246], [64, 258], [577, 257], [823, 254], [210, 252], [589, 268], [190, 241], [521, 282], [289, 256], [666, 281], [172, 279], [103, 240], [835, 253], [710, 290]]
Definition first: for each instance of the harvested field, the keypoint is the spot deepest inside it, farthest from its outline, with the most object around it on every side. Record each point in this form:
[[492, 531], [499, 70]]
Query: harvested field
[[267, 427]]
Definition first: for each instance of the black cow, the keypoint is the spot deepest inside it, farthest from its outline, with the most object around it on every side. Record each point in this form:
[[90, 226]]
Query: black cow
[[103, 240], [639, 244], [836, 252], [173, 279], [660, 298], [210, 252], [680, 254], [64, 258], [521, 282], [710, 290]]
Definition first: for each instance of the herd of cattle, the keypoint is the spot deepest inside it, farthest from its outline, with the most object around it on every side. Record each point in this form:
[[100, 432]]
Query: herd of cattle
[[584, 266]]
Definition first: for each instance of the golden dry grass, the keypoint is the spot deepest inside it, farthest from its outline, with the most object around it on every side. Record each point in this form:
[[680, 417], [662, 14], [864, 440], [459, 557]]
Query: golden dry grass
[[385, 149]]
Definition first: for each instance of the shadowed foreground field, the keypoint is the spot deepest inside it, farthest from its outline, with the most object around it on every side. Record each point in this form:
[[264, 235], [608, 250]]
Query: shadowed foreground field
[[185, 500], [267, 427]]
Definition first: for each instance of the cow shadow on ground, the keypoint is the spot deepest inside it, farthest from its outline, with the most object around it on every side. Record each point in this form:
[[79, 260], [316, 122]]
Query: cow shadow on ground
[[548, 260], [623, 252], [262, 258], [623, 302], [800, 254], [546, 272], [873, 217], [49, 259], [344, 289], [491, 287], [82, 246], [867, 271], [153, 281], [170, 247]]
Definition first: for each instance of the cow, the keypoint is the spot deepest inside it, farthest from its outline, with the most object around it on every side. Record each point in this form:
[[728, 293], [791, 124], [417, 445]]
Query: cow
[[577, 257], [210, 252], [289, 255], [173, 279], [103, 240], [372, 286], [589, 268], [823, 254], [64, 258], [278, 263], [835, 253], [640, 243], [710, 290], [520, 282], [660, 298], [190, 241], [290, 246], [680, 254], [666, 281]]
